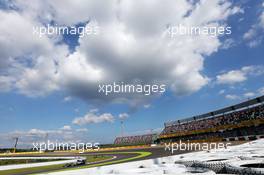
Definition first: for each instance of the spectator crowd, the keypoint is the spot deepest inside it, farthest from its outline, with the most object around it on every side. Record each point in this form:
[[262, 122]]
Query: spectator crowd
[[138, 139], [232, 118]]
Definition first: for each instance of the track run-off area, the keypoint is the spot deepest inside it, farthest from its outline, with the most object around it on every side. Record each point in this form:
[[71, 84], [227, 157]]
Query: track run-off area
[[93, 159]]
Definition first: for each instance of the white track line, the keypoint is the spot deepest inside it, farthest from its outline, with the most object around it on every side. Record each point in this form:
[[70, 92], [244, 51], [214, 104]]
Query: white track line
[[30, 165]]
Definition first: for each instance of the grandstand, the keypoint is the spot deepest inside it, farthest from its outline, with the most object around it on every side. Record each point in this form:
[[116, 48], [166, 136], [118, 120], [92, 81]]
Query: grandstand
[[243, 121], [136, 140]]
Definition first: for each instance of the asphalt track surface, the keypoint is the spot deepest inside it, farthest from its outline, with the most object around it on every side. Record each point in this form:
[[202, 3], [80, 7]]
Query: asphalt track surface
[[118, 155]]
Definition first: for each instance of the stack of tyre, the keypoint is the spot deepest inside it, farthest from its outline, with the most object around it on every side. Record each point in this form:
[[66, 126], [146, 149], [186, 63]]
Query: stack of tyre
[[246, 167]]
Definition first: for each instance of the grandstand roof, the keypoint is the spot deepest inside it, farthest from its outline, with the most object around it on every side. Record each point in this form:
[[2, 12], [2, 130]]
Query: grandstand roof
[[228, 109]]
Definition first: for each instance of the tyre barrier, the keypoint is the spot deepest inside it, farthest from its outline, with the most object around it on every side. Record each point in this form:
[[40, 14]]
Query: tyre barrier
[[243, 171], [218, 167], [246, 167], [246, 158], [228, 167], [190, 163]]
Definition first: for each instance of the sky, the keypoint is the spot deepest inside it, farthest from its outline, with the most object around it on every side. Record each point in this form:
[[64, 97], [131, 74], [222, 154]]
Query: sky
[[49, 83]]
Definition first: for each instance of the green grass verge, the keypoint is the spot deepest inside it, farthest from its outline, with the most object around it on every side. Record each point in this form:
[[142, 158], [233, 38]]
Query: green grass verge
[[25, 161], [141, 155], [31, 170], [90, 158]]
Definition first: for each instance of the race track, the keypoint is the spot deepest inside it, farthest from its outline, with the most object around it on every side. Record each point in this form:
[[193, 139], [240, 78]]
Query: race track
[[117, 156]]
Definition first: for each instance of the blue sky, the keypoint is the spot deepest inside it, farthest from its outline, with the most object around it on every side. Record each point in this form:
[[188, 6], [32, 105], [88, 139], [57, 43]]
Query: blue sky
[[46, 83]]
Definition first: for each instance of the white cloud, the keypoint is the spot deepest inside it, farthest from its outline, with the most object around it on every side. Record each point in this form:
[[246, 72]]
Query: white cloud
[[255, 42], [95, 110], [66, 128], [231, 77], [82, 130], [38, 82], [6, 83], [238, 76], [222, 91], [28, 137], [245, 95], [123, 116], [93, 118], [67, 99], [130, 47], [65, 12], [232, 97], [250, 34], [249, 94], [253, 36], [37, 132], [261, 91], [228, 43], [17, 30], [27, 61], [147, 106]]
